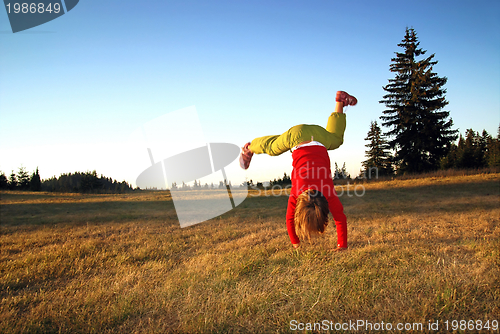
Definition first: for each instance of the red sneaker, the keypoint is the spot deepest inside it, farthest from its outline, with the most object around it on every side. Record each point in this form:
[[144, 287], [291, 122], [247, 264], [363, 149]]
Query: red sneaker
[[245, 156], [346, 99]]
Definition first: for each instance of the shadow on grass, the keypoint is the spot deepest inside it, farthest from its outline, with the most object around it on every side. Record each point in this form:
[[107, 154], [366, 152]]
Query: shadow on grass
[[425, 199], [391, 201], [37, 214]]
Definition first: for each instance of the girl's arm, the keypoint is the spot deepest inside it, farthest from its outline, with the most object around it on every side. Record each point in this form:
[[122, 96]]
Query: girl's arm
[[290, 221], [340, 219]]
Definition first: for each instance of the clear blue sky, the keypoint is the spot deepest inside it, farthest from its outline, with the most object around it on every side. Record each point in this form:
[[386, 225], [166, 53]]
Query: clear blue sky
[[74, 89]]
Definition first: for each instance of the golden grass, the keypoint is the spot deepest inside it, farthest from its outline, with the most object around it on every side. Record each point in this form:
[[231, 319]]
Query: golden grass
[[420, 250]]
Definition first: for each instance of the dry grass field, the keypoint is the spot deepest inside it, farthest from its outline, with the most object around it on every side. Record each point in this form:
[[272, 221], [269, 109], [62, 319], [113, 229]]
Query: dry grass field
[[421, 251]]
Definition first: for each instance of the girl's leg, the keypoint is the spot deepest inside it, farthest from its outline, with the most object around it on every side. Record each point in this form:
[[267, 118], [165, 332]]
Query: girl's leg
[[335, 129], [276, 145], [337, 122], [272, 145], [331, 137], [303, 133]]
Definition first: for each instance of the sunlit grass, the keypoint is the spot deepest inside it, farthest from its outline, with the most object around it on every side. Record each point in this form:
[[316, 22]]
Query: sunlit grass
[[420, 250]]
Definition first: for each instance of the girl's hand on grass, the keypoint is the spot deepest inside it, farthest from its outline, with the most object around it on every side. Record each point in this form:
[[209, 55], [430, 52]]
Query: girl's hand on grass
[[296, 245], [339, 249]]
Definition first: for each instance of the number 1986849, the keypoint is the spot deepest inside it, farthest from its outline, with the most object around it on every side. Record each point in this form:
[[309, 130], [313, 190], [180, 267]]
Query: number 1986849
[[33, 8], [471, 325]]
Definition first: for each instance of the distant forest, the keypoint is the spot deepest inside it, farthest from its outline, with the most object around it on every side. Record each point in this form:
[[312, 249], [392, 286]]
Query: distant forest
[[86, 182], [474, 151]]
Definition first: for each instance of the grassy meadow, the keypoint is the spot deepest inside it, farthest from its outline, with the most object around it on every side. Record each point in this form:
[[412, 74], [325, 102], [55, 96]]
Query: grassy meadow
[[420, 250]]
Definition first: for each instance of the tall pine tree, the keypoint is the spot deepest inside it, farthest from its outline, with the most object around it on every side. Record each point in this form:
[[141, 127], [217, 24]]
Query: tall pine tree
[[12, 181], [378, 157], [23, 178], [3, 181], [493, 151], [35, 181], [420, 130]]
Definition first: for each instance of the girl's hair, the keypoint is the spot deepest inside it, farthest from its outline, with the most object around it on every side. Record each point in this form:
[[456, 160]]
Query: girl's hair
[[311, 214]]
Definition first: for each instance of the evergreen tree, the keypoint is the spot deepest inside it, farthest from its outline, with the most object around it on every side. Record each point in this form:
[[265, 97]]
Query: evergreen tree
[[471, 154], [420, 130], [4, 183], [378, 156], [282, 182], [341, 173], [344, 174], [336, 172], [482, 148], [23, 178], [450, 160], [464, 153], [35, 181], [492, 156], [90, 182], [12, 181], [286, 179]]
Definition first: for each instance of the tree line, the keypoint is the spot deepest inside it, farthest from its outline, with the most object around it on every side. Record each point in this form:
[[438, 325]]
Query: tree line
[[420, 136], [339, 173], [81, 182], [197, 185], [473, 151]]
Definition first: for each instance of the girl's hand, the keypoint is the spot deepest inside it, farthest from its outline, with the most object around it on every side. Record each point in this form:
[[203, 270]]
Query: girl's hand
[[296, 245], [340, 249]]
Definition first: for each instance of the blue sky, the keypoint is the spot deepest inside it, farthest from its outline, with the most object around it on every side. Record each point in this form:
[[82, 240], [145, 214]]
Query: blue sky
[[74, 89]]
